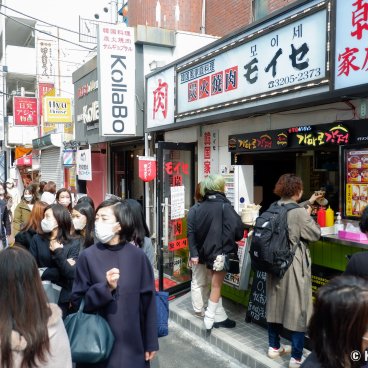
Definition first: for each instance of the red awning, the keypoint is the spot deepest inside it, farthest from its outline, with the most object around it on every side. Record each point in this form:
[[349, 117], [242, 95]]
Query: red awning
[[24, 161]]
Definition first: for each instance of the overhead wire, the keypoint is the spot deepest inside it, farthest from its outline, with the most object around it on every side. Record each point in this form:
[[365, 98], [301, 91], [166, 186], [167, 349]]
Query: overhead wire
[[42, 21], [50, 35]]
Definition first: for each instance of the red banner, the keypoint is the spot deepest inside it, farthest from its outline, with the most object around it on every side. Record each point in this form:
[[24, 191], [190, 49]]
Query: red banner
[[178, 244], [25, 111], [44, 88], [147, 168]]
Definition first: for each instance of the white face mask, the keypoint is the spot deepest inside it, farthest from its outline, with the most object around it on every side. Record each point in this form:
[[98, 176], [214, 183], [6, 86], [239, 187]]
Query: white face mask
[[104, 232], [79, 223], [28, 198], [48, 225], [64, 202]]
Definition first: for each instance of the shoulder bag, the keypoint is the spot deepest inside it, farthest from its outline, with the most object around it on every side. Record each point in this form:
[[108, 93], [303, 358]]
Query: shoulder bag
[[90, 336]]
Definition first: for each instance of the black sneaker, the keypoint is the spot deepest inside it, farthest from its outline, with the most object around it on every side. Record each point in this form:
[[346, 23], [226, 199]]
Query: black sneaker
[[228, 323]]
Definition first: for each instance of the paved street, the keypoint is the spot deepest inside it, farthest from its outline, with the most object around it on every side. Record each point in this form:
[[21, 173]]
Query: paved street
[[182, 349]]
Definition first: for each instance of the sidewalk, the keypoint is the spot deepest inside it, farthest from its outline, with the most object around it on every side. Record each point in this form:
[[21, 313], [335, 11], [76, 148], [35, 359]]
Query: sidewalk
[[247, 342]]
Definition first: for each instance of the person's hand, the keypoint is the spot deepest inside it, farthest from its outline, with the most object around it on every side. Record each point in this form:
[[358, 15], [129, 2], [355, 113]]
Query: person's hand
[[149, 355], [194, 260], [314, 196], [309, 209], [71, 261], [112, 278], [54, 244]]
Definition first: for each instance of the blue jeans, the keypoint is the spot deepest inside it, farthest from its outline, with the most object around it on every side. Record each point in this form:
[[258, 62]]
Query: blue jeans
[[297, 340]]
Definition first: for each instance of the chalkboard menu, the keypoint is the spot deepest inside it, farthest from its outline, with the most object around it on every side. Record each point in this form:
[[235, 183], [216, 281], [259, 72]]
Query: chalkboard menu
[[257, 300]]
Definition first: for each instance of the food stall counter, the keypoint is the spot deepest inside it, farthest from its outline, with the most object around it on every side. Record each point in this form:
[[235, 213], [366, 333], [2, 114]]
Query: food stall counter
[[362, 244]]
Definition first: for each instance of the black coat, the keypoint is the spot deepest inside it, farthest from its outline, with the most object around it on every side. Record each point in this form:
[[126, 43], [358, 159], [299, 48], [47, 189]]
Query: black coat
[[213, 228], [358, 265], [5, 224], [58, 270], [24, 237], [311, 362]]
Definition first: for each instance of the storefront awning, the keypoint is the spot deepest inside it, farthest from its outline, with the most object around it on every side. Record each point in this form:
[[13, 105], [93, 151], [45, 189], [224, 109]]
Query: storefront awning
[[24, 161]]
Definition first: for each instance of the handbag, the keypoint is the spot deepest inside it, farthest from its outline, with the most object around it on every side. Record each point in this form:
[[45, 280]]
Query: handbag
[[162, 306], [90, 337], [52, 291]]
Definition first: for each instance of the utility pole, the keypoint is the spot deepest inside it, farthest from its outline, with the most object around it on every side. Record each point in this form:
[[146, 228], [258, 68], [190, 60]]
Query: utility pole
[[58, 61]]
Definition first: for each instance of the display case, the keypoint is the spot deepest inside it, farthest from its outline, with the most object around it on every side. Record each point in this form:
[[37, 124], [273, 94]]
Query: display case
[[354, 175]]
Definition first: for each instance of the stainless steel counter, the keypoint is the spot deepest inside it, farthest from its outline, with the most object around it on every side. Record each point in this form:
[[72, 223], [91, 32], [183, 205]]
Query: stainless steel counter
[[350, 243]]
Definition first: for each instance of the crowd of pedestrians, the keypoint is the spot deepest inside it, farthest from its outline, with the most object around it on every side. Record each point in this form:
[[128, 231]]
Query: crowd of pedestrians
[[103, 257]]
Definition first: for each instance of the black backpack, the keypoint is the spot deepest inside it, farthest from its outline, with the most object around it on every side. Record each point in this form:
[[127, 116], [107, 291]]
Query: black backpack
[[270, 248]]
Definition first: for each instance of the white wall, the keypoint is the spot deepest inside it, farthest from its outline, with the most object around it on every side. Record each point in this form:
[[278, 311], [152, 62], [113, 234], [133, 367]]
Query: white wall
[[21, 60]]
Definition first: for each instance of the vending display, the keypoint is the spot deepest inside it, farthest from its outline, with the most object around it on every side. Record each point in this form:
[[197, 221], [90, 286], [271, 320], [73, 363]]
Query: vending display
[[355, 171]]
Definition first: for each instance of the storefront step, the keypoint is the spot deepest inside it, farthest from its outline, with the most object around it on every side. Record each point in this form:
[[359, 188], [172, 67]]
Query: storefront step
[[247, 342]]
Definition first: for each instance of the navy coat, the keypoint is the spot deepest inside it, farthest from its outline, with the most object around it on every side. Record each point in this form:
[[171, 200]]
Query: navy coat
[[213, 228], [130, 309]]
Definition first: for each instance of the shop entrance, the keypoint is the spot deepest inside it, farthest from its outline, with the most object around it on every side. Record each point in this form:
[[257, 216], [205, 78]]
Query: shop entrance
[[175, 191], [318, 169]]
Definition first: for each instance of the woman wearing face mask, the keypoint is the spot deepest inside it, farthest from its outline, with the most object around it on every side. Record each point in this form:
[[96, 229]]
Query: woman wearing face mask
[[23, 210], [83, 217], [64, 197], [116, 280], [56, 252]]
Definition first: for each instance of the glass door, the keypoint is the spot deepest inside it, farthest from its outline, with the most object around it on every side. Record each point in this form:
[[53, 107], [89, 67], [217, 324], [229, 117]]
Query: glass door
[[175, 191]]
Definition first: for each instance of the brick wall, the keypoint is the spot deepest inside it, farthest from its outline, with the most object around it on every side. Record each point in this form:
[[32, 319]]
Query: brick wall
[[144, 12], [222, 17]]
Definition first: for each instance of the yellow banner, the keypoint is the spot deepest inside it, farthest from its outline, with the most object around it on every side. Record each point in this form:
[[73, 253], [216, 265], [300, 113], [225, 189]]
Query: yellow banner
[[57, 110]]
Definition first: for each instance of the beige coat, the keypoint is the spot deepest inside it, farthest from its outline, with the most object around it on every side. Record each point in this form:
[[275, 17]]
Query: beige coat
[[59, 356], [289, 300]]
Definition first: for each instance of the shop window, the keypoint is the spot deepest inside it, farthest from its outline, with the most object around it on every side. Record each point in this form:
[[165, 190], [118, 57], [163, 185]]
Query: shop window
[[259, 8]]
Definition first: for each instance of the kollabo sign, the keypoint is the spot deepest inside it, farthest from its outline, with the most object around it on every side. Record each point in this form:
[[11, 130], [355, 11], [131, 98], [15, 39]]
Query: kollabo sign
[[116, 75], [57, 110]]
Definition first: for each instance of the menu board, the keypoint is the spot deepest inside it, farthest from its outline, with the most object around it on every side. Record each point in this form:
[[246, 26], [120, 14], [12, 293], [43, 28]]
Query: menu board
[[356, 191], [257, 302]]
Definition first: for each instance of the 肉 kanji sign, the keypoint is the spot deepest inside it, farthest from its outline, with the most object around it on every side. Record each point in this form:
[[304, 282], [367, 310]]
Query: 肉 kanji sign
[[280, 59], [25, 111], [351, 55]]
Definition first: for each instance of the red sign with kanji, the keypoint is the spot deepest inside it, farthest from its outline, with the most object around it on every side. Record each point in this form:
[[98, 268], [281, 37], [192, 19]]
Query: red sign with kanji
[[147, 168], [25, 111], [178, 244]]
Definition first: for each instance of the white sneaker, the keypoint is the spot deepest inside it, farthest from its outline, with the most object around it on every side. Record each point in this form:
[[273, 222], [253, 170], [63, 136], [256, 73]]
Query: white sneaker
[[274, 353], [296, 363]]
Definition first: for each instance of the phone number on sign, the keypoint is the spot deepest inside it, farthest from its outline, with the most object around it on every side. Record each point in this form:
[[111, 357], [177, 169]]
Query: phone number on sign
[[290, 79]]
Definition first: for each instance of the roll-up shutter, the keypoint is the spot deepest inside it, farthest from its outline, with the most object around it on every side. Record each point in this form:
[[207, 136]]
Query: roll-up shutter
[[51, 166]]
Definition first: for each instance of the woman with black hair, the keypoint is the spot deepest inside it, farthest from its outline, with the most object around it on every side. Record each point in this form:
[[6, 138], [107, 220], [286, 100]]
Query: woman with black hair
[[56, 252], [116, 280], [338, 327], [32, 331], [141, 234], [83, 218], [64, 197]]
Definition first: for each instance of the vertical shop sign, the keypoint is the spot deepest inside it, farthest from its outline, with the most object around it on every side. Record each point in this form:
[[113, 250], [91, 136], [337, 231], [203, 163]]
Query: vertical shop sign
[[84, 166], [116, 76], [351, 55], [25, 111], [177, 202], [210, 152], [160, 99], [57, 110], [146, 168], [43, 89], [46, 56]]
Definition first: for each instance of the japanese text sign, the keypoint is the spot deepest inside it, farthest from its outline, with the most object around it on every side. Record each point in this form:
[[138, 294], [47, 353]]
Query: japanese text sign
[[46, 60], [210, 152], [177, 202], [292, 55], [43, 89], [160, 99], [351, 55], [116, 78], [84, 166], [147, 168], [25, 111]]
